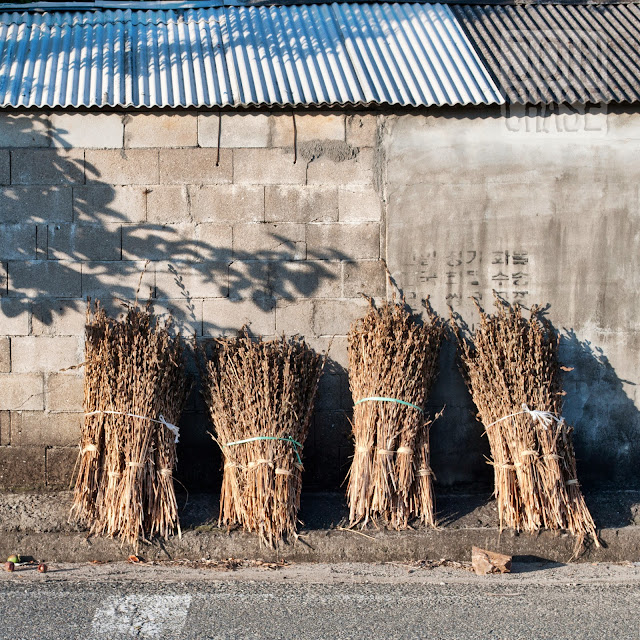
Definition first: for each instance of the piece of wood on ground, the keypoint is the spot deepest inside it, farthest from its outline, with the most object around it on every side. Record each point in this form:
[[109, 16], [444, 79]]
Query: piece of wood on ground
[[485, 561]]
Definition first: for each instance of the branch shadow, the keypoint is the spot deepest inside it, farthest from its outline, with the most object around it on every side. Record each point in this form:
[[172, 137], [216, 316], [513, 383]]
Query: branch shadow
[[68, 236]]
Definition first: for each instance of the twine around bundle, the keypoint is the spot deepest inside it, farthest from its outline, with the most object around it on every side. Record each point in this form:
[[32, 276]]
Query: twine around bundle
[[383, 399], [172, 427], [296, 445], [545, 418]]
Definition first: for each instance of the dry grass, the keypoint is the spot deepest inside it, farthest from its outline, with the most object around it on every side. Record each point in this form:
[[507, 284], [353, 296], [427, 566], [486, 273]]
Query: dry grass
[[511, 362], [264, 392], [124, 484], [391, 355]]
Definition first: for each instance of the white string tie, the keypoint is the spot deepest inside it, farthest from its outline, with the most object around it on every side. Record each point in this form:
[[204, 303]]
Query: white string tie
[[545, 418], [161, 420]]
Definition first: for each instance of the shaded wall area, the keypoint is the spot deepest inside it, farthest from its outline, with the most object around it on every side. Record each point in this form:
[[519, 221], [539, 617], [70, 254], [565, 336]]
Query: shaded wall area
[[222, 220], [542, 206]]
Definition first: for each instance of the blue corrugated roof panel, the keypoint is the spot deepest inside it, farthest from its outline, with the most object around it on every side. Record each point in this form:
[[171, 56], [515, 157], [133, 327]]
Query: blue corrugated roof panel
[[321, 54]]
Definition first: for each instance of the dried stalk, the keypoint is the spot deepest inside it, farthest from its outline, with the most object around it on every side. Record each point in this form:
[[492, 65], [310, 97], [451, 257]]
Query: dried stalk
[[263, 391], [510, 365], [392, 356], [124, 485]]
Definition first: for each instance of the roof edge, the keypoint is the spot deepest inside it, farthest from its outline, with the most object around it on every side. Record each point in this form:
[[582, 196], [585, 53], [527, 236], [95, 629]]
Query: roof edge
[[97, 5]]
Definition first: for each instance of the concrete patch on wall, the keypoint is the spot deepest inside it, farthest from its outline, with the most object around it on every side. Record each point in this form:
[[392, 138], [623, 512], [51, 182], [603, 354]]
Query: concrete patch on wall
[[478, 202]]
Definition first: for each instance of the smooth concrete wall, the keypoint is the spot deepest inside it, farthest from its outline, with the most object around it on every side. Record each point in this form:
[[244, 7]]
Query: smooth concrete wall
[[543, 208]]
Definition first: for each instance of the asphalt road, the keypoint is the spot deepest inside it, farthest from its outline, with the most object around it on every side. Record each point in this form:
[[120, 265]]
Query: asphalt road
[[321, 601]]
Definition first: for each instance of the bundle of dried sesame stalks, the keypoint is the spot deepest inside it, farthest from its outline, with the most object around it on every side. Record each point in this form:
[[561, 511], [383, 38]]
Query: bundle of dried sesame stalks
[[260, 395], [511, 367], [135, 388], [393, 362]]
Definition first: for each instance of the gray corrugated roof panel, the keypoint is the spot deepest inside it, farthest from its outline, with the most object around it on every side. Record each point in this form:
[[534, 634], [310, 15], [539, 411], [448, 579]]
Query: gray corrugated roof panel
[[541, 54], [321, 54]]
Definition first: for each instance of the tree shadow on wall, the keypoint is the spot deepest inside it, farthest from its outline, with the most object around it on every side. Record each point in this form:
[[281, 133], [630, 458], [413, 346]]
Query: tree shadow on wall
[[68, 236]]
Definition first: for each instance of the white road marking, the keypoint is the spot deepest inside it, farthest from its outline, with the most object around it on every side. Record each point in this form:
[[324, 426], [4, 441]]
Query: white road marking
[[140, 616]]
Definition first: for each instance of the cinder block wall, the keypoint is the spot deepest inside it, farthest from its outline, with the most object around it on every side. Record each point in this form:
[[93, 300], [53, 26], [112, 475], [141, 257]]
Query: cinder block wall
[[235, 236]]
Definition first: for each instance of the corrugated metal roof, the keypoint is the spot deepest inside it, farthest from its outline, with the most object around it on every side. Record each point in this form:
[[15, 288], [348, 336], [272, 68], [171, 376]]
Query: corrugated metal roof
[[399, 54], [559, 53]]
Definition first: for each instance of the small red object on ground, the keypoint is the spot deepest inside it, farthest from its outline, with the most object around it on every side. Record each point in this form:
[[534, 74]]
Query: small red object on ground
[[42, 567], [10, 566]]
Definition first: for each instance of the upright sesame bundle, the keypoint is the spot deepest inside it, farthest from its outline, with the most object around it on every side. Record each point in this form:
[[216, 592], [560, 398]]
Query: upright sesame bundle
[[260, 395], [393, 363], [512, 370], [135, 388]]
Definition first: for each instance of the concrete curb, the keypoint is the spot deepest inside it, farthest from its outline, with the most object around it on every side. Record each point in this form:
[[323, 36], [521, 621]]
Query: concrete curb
[[333, 545], [36, 524]]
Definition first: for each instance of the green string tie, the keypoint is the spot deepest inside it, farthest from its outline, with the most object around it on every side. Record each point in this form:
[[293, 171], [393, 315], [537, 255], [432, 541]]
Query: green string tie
[[407, 404], [295, 443]]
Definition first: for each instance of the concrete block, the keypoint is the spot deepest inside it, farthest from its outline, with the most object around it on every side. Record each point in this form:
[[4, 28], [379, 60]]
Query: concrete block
[[18, 241], [336, 348], [184, 280], [249, 280], [305, 279], [299, 203], [42, 247], [24, 130], [45, 353], [45, 278], [362, 130], [358, 170], [88, 130], [177, 242], [282, 132], [106, 280], [5, 428], [265, 241], [348, 241], [334, 317], [22, 468], [5, 354], [58, 317], [226, 317], [267, 166], [195, 166], [185, 314], [35, 204], [320, 126], [294, 317], [310, 126], [81, 241], [5, 167], [119, 167], [227, 203], [368, 277], [214, 241], [14, 317], [359, 204], [332, 394], [64, 392], [46, 166], [60, 463], [21, 392], [167, 204], [37, 428], [106, 203], [238, 130], [161, 130]]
